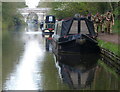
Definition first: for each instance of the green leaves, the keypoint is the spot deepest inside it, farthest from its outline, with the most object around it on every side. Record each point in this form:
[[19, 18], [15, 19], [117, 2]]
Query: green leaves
[[69, 9], [9, 11]]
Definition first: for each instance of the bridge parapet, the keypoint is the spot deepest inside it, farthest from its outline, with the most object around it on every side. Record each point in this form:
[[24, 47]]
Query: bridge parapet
[[41, 12]]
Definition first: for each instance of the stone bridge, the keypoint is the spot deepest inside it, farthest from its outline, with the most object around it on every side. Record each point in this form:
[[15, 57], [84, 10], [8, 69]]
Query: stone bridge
[[41, 12]]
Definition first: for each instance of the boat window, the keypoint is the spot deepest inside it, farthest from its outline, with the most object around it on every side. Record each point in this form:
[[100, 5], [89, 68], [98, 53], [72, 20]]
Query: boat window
[[50, 18], [59, 28], [74, 28], [56, 26], [84, 28], [50, 25]]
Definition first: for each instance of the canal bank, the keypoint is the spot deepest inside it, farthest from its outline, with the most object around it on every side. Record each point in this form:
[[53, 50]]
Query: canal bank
[[28, 66], [109, 41]]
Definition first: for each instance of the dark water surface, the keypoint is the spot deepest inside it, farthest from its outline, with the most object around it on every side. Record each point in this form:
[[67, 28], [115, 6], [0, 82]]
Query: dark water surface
[[26, 65]]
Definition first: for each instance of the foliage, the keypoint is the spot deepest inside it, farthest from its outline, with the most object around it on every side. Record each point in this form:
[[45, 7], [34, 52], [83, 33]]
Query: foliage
[[10, 16], [116, 27], [17, 19], [63, 10], [68, 9]]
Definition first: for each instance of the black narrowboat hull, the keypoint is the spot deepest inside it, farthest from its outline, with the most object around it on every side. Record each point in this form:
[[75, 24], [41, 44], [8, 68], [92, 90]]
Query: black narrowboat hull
[[75, 44]]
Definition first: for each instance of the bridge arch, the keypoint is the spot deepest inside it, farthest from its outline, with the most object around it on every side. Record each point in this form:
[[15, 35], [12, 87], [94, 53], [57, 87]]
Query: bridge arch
[[32, 17], [41, 12]]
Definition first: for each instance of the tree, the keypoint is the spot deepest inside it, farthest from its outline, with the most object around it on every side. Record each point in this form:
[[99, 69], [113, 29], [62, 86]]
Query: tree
[[9, 12], [68, 9]]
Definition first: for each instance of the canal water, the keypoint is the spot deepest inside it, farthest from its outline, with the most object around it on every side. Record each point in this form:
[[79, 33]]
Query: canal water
[[26, 65]]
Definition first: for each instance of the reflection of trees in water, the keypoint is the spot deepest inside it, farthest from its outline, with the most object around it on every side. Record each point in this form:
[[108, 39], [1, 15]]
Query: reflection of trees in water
[[104, 79], [11, 50], [32, 28], [77, 70]]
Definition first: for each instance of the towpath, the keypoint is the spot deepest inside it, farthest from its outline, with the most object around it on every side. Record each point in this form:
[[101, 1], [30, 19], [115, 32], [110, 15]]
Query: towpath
[[114, 38]]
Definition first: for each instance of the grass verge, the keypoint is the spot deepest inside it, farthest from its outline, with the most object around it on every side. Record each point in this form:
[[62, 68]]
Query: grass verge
[[116, 27], [115, 48]]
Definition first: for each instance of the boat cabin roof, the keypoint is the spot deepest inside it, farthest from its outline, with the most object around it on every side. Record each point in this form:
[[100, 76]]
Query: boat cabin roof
[[75, 26], [50, 19]]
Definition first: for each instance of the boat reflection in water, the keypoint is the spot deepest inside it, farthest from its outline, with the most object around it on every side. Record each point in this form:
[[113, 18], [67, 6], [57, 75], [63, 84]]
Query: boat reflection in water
[[32, 28], [77, 70]]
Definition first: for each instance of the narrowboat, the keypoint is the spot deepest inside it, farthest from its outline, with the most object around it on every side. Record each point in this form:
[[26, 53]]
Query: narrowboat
[[48, 25], [75, 35]]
